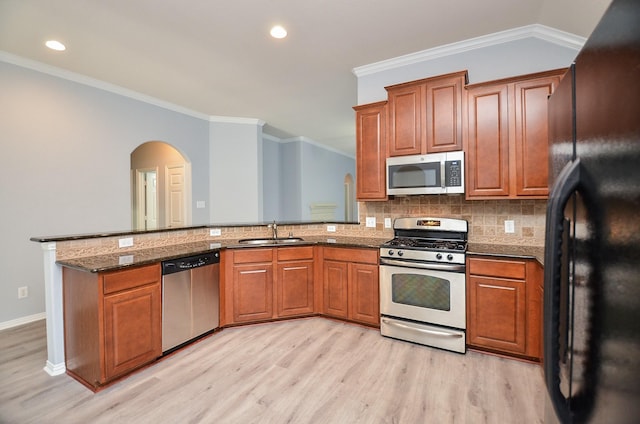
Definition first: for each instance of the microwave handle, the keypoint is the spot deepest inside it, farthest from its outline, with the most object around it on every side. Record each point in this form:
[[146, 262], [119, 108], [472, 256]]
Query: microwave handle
[[443, 174]]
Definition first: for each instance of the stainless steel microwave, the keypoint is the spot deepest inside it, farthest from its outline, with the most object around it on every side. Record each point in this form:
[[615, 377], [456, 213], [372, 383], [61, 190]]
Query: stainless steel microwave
[[435, 173]]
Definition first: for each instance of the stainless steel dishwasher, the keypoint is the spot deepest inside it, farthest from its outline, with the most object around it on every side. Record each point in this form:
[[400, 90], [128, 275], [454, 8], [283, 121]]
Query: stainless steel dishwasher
[[190, 298]]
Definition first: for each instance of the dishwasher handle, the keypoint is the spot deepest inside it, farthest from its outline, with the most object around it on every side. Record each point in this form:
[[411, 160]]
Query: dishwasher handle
[[189, 262]]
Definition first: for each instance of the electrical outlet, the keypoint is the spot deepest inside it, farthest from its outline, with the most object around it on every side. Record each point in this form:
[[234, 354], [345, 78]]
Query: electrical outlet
[[509, 226], [371, 222], [387, 223], [125, 260], [23, 292], [331, 228], [213, 232], [200, 204], [125, 242]]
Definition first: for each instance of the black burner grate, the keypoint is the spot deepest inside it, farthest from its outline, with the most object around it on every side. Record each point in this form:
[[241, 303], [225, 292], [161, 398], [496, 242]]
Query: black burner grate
[[427, 244]]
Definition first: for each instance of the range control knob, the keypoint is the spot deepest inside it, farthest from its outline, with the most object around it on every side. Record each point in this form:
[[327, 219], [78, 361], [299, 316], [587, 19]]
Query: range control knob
[[400, 253], [390, 252], [438, 256], [450, 257]]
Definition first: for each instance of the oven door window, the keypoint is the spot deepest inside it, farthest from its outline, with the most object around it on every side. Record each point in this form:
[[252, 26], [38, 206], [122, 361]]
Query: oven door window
[[415, 175], [424, 291]]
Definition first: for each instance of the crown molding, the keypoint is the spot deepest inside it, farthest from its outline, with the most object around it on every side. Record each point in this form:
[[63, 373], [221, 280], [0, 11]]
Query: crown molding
[[270, 137], [307, 140], [236, 120], [561, 38], [303, 139], [101, 85]]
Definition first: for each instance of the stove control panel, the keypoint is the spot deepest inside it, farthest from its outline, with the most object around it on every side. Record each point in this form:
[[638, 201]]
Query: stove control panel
[[423, 255]]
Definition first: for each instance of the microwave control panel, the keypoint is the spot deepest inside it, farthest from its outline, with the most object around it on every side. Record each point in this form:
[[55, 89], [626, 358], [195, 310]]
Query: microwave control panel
[[453, 173]]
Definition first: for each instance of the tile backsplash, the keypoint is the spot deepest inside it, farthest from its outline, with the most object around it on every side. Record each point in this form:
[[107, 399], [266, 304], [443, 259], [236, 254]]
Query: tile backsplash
[[486, 225], [486, 217]]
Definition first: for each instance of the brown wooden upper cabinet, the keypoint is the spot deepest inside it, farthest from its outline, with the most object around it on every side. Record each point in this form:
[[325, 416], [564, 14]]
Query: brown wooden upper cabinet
[[371, 151], [507, 139], [425, 116]]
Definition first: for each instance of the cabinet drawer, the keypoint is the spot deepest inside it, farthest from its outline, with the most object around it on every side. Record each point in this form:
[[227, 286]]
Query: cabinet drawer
[[367, 256], [497, 268], [294, 253], [130, 278], [252, 255]]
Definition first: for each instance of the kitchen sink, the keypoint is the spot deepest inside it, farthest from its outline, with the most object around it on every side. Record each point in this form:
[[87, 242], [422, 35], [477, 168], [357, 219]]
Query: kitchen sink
[[284, 240]]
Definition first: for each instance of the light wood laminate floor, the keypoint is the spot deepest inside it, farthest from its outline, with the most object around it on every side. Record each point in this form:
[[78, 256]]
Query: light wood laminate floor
[[311, 370]]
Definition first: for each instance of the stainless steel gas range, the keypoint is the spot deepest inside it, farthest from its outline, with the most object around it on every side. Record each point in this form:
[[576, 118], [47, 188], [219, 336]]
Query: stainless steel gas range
[[422, 282]]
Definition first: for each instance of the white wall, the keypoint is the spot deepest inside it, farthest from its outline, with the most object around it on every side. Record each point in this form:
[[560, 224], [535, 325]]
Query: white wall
[[323, 173], [290, 181], [66, 168], [236, 172], [271, 180], [297, 173]]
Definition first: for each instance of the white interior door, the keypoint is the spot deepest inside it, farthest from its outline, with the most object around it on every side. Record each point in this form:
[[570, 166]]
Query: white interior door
[[147, 198], [151, 199], [175, 199]]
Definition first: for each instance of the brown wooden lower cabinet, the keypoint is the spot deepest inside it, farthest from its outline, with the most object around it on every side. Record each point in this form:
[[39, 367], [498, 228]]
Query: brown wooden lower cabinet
[[112, 322], [254, 292], [351, 287], [504, 305], [336, 288], [262, 284], [295, 282]]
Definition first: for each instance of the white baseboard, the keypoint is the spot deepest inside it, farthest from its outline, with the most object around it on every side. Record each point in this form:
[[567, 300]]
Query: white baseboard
[[20, 321]]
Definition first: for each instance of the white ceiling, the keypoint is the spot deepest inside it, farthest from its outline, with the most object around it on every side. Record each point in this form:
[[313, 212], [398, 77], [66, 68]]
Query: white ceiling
[[217, 58]]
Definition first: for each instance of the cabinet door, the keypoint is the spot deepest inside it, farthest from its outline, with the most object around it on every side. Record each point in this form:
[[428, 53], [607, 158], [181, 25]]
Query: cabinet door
[[405, 119], [371, 151], [336, 276], [444, 114], [497, 313], [133, 329], [531, 136], [294, 288], [488, 143], [252, 292], [364, 304]]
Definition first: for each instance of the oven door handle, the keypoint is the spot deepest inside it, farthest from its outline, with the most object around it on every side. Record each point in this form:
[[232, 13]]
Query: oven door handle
[[423, 330], [419, 265]]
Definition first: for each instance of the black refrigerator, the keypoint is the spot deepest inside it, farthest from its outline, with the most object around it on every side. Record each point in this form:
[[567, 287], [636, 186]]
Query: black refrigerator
[[592, 247]]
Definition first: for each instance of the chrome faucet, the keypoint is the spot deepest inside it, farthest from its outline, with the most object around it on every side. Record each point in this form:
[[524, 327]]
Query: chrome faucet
[[274, 228]]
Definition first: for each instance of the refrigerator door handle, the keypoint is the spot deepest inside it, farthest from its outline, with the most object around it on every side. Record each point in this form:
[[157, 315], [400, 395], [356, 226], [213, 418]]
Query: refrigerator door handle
[[567, 183]]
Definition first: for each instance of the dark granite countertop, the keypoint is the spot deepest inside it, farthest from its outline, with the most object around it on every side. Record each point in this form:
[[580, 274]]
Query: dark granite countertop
[[71, 237], [507, 250], [116, 261]]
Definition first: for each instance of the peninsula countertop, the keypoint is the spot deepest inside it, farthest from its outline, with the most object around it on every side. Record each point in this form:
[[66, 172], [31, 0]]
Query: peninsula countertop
[[115, 261]]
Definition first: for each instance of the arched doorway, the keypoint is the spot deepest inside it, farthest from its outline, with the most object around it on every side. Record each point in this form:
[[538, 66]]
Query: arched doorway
[[160, 187]]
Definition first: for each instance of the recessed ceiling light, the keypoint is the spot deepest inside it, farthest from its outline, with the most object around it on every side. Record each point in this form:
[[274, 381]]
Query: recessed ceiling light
[[278, 32], [55, 45]]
